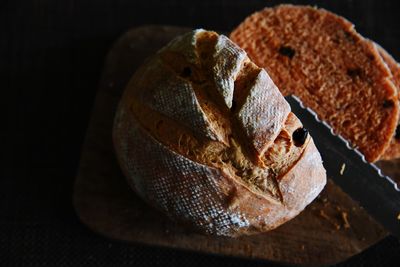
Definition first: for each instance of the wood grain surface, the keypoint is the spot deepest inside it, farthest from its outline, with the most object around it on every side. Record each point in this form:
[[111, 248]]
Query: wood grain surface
[[328, 231]]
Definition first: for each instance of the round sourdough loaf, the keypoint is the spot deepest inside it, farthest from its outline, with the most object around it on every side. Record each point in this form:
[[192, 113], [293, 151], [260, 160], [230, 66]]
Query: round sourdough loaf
[[319, 57], [205, 136]]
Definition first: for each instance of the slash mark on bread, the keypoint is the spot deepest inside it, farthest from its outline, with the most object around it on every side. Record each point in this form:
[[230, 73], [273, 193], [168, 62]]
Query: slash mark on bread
[[258, 163]]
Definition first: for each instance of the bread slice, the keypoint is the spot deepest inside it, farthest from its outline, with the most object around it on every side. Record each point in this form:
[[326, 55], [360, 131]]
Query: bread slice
[[319, 57], [393, 151], [204, 135]]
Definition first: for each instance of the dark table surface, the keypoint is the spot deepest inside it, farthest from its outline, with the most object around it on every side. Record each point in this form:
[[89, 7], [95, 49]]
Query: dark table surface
[[51, 56]]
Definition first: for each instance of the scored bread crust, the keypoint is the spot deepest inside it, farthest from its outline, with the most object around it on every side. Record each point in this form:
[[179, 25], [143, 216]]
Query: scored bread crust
[[318, 56], [209, 168], [261, 123]]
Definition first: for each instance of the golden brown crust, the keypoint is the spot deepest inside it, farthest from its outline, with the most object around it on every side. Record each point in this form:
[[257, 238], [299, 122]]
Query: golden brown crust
[[319, 57], [181, 137]]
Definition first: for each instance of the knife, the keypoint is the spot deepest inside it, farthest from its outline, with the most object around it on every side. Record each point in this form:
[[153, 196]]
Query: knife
[[347, 167]]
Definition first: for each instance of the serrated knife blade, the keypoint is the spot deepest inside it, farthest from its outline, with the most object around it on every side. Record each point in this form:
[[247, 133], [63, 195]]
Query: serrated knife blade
[[347, 167]]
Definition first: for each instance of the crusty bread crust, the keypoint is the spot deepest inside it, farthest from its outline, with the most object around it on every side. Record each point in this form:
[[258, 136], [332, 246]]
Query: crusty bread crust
[[208, 140], [319, 57]]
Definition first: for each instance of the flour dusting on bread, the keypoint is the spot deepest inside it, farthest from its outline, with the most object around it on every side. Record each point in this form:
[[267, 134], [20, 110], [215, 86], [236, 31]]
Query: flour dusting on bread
[[204, 135]]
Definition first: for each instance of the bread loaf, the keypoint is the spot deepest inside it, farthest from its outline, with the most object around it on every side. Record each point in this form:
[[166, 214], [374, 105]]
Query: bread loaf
[[204, 135], [319, 57]]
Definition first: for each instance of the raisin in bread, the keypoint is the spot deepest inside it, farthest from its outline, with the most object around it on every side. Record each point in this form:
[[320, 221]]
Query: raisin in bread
[[205, 136], [319, 57]]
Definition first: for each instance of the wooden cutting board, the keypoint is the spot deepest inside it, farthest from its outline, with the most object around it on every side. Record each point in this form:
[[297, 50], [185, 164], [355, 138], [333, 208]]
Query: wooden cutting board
[[330, 230]]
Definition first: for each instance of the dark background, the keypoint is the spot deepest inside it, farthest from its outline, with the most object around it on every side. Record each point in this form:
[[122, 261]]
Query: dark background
[[51, 56]]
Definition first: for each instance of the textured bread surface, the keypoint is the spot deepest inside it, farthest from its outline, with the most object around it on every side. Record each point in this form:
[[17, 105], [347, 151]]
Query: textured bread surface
[[319, 57], [393, 151], [205, 136]]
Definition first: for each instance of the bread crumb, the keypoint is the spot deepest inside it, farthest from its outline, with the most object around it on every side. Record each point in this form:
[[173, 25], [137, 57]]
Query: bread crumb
[[326, 217], [345, 219], [342, 169]]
